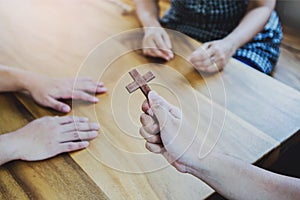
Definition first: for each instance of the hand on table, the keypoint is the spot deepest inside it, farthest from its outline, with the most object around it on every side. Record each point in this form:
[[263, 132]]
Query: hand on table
[[166, 132], [212, 56], [157, 43], [49, 136], [46, 91]]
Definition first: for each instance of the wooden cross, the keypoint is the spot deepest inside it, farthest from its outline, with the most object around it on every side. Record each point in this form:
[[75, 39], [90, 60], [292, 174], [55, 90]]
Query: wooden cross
[[140, 82]]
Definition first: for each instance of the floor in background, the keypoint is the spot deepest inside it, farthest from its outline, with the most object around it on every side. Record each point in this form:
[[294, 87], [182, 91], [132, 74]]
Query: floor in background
[[287, 70]]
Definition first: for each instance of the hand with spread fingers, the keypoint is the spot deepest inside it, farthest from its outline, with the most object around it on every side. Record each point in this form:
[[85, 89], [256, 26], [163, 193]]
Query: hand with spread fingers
[[46, 137], [212, 57], [157, 43], [47, 91]]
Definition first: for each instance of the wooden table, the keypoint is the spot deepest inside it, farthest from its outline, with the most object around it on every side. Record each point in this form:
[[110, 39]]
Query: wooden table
[[240, 111]]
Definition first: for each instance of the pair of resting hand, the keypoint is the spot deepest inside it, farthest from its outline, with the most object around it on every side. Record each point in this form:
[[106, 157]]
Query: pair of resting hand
[[211, 57], [48, 136]]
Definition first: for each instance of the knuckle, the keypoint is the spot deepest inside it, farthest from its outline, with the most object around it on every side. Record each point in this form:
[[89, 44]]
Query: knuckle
[[88, 135], [142, 116], [89, 126], [141, 131], [155, 129], [80, 145], [70, 147], [152, 139], [74, 127], [218, 50], [222, 58], [148, 146], [76, 135], [71, 119], [45, 101]]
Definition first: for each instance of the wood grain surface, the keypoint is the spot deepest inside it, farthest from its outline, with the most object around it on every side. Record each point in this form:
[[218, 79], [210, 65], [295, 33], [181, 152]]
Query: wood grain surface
[[57, 178], [238, 111]]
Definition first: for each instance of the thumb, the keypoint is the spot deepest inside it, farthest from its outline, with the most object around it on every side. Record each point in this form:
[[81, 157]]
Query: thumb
[[159, 107], [57, 105], [154, 98]]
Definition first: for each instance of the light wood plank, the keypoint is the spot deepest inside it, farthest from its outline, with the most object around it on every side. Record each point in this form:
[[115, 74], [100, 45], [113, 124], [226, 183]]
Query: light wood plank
[[54, 37], [108, 153], [57, 178]]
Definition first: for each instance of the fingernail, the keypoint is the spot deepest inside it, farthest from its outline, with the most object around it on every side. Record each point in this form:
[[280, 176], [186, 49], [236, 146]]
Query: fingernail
[[85, 119], [66, 109], [94, 134], [86, 144], [102, 89], [95, 99]]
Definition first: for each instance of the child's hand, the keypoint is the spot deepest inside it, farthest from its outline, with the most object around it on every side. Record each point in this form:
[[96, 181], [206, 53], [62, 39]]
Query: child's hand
[[212, 56], [157, 43], [49, 136], [46, 91]]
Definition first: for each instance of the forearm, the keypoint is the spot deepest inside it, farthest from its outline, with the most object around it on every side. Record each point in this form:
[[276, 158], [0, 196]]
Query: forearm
[[8, 150], [235, 179], [12, 80], [253, 22], [148, 12]]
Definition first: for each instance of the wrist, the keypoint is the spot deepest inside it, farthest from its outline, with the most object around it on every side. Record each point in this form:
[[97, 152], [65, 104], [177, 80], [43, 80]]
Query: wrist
[[24, 80], [28, 81], [233, 44], [9, 148], [197, 167], [152, 30], [16, 79], [150, 22], [203, 167]]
